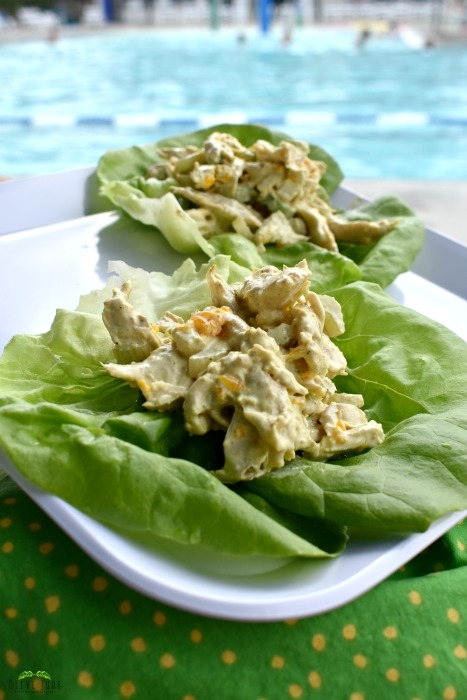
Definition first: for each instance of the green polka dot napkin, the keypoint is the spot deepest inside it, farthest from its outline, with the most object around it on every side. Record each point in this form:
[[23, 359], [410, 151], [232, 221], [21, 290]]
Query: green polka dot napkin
[[69, 631]]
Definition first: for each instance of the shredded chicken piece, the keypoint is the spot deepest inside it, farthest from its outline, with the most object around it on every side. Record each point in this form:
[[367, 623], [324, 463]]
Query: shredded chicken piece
[[134, 336]]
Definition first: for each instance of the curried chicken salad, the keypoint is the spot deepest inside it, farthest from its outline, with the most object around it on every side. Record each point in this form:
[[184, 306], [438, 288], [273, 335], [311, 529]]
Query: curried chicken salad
[[251, 192], [258, 364], [269, 194]]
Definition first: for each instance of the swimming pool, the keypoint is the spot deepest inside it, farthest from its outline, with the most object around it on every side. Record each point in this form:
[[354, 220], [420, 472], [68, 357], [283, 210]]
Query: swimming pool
[[384, 110]]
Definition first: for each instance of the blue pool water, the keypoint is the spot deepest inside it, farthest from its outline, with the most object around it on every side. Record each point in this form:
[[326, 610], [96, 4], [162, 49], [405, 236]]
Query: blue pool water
[[383, 111]]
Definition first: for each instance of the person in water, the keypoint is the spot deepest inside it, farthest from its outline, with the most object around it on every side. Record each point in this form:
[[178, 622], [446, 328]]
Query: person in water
[[363, 37]]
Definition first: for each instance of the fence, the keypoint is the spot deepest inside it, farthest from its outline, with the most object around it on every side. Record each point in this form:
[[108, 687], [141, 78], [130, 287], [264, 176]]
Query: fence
[[442, 16], [439, 15]]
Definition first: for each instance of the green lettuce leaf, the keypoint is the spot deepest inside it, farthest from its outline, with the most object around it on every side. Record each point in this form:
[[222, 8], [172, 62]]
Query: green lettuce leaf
[[164, 213], [69, 454], [84, 436], [153, 293]]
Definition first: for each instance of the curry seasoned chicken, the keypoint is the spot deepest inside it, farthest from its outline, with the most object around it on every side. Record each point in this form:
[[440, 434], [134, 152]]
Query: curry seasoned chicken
[[258, 364], [269, 194]]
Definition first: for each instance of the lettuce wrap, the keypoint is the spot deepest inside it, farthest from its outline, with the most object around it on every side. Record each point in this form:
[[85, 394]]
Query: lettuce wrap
[[84, 436], [125, 181]]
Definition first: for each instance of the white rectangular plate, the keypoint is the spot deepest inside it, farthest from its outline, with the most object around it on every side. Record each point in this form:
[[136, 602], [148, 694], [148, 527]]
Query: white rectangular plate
[[49, 267]]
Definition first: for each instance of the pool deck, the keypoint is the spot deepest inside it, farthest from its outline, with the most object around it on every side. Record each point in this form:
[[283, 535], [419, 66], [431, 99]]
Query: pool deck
[[442, 206], [447, 36]]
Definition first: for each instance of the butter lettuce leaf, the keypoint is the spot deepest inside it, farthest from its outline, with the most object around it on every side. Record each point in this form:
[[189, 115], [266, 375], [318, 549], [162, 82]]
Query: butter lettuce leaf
[[165, 213], [155, 292], [144, 492], [84, 436]]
